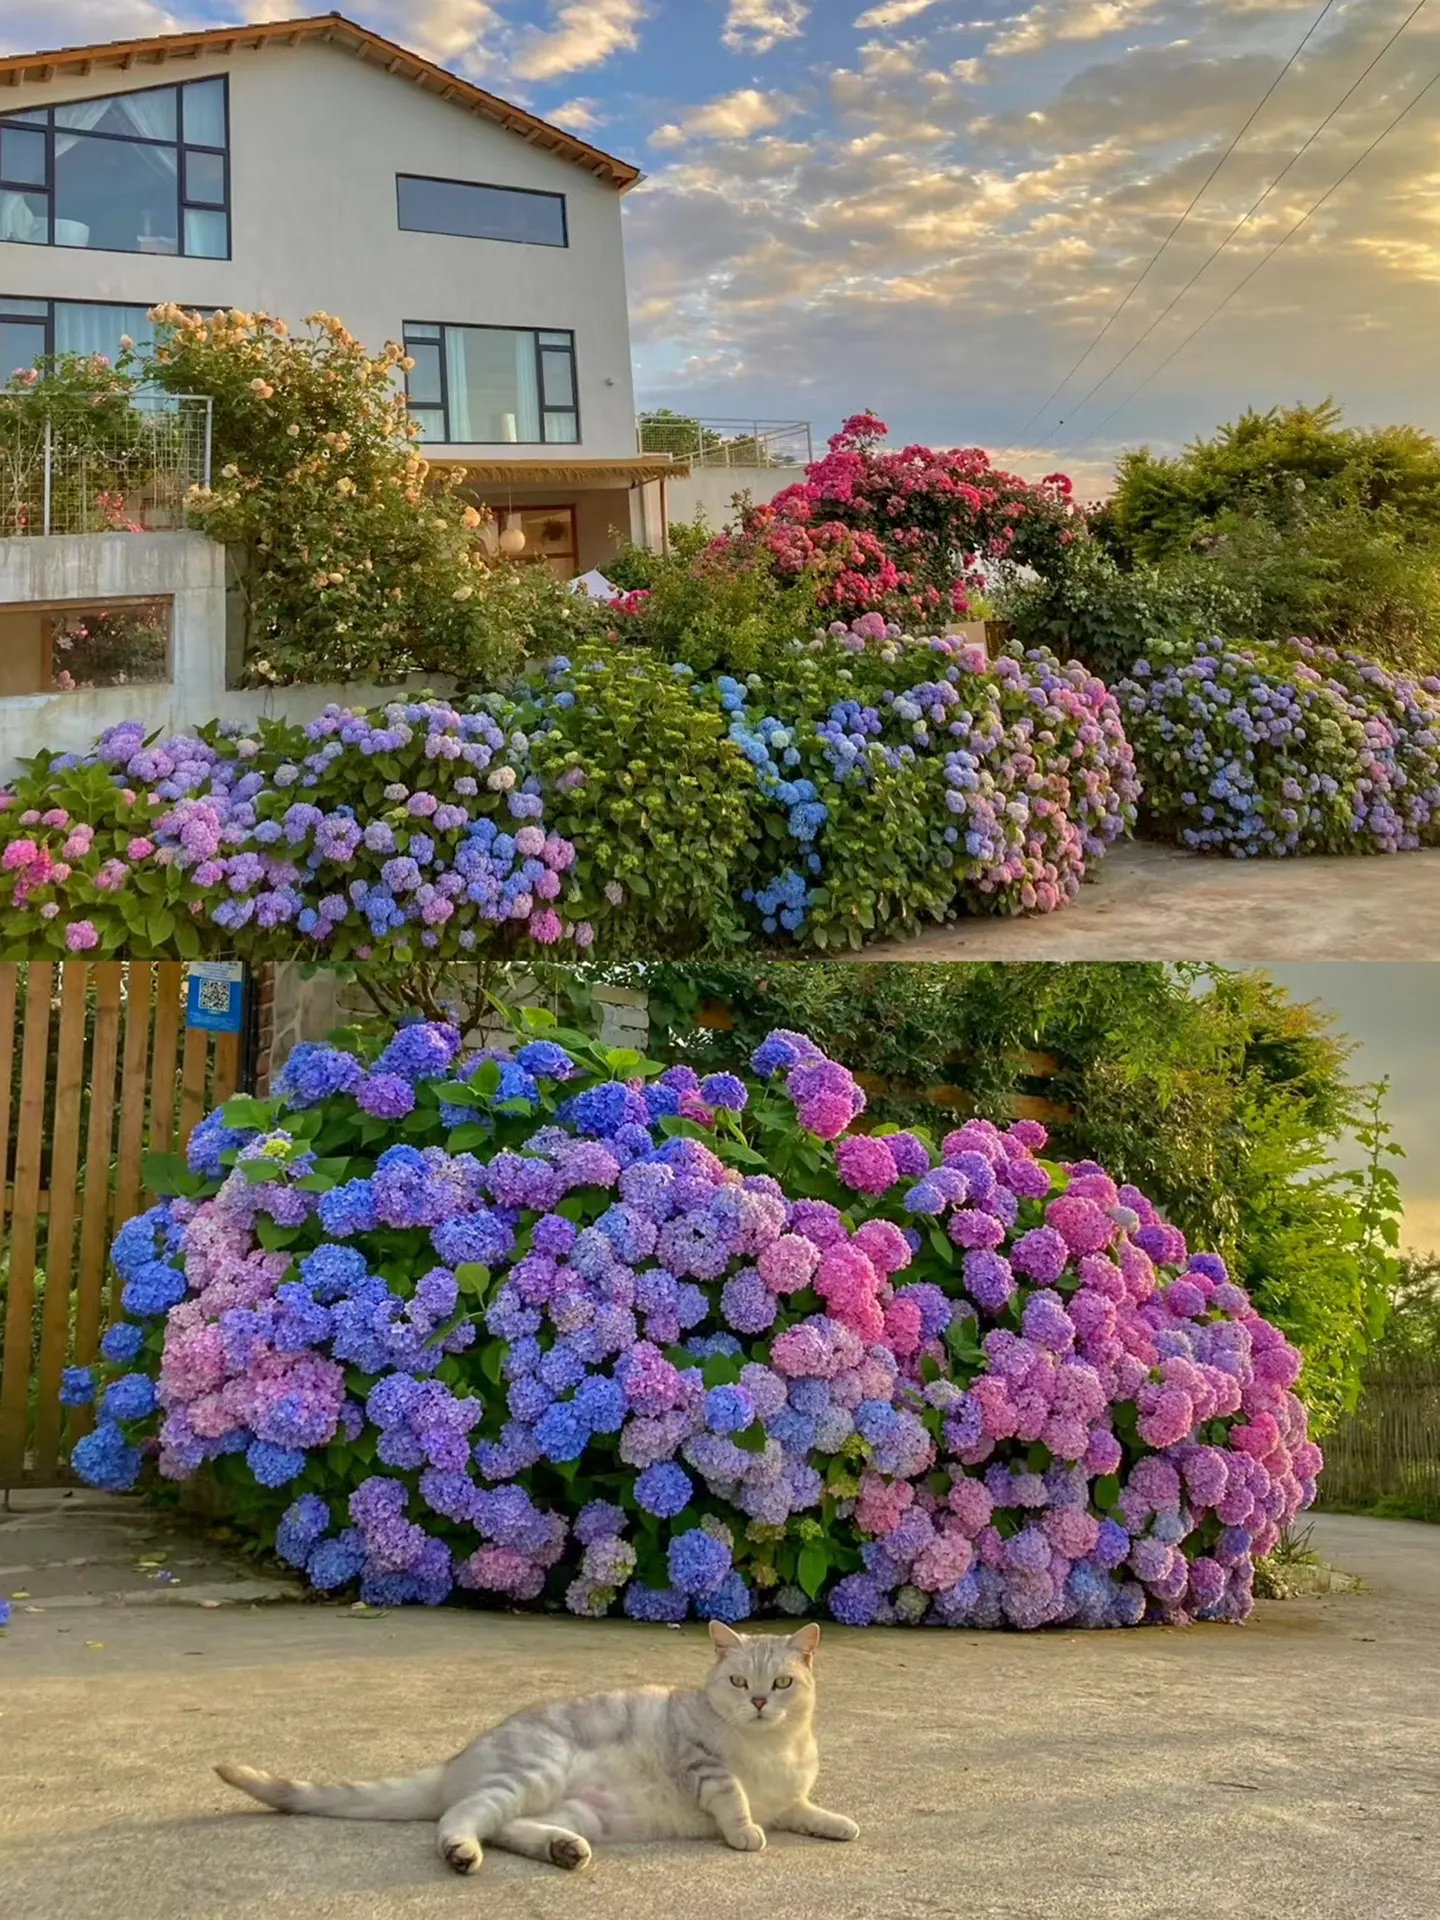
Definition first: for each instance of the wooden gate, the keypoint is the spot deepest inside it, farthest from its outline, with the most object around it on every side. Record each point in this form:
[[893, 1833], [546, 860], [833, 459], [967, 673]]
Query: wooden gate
[[73, 1035]]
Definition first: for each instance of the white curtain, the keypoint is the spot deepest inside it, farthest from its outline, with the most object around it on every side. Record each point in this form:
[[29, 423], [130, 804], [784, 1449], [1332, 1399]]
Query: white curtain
[[527, 389], [17, 219], [147, 115], [84, 329], [457, 387]]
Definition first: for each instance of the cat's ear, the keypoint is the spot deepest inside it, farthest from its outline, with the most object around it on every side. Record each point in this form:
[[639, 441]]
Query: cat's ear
[[806, 1641], [723, 1638]]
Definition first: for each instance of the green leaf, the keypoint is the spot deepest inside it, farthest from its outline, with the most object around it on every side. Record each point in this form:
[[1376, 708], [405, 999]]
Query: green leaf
[[537, 1019], [461, 1139], [814, 1565], [462, 1093], [165, 1173], [752, 1438], [1038, 1458], [242, 1112], [471, 1277], [273, 1237], [720, 1370], [1106, 1491], [492, 1361], [486, 1078]]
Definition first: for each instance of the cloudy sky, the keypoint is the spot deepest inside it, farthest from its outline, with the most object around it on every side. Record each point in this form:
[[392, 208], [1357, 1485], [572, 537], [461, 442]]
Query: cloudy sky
[[1387, 1009], [932, 207]]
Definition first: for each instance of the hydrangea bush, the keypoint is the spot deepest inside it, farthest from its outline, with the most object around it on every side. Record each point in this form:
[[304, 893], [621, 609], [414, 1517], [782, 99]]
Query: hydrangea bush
[[611, 800], [1273, 751], [937, 779], [598, 1334]]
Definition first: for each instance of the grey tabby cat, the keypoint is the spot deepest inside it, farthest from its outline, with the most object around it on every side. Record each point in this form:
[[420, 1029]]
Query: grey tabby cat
[[735, 1756]]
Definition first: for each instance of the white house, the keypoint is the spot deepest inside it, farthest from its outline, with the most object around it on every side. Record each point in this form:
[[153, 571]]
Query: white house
[[310, 164]]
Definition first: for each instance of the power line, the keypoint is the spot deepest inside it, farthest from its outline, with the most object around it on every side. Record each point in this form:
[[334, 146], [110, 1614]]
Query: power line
[[1245, 220], [1163, 248], [1304, 220]]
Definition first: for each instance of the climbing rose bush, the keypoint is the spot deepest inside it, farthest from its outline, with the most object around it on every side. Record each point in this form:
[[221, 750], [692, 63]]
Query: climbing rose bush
[[1283, 750], [594, 1333]]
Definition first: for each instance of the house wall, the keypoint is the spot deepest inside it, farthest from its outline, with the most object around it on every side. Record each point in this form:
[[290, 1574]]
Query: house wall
[[186, 568], [711, 490], [316, 139]]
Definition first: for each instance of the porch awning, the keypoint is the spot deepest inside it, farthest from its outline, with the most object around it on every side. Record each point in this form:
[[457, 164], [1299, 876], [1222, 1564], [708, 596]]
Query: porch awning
[[634, 471]]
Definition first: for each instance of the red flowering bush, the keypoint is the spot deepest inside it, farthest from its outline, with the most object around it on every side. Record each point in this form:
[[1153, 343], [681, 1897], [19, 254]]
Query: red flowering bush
[[905, 532]]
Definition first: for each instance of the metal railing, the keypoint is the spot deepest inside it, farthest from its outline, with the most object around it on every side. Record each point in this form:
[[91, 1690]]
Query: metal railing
[[710, 442], [113, 465]]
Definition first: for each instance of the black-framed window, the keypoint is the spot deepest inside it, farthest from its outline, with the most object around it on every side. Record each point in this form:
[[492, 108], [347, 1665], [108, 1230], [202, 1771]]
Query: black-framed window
[[492, 386], [474, 211], [141, 172], [31, 329]]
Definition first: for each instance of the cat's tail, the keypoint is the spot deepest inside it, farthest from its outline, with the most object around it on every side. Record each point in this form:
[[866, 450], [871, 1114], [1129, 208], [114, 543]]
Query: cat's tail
[[417, 1798]]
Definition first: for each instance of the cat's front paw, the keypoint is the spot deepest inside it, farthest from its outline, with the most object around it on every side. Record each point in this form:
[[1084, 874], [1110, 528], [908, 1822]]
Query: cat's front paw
[[747, 1839], [462, 1856], [843, 1829]]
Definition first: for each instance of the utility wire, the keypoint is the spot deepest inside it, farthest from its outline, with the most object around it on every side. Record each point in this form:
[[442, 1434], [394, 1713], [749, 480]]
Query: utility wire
[[1304, 220], [1245, 220], [1163, 248]]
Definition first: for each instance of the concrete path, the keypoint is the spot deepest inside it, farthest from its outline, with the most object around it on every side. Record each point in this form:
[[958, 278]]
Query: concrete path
[[1289, 1770], [1150, 902]]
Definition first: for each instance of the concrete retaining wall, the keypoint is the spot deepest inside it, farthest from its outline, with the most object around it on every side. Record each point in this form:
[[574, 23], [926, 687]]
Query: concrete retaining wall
[[188, 569]]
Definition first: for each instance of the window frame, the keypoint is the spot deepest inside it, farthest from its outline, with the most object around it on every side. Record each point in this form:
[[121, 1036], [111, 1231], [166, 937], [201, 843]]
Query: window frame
[[490, 186], [29, 118], [420, 329], [42, 311]]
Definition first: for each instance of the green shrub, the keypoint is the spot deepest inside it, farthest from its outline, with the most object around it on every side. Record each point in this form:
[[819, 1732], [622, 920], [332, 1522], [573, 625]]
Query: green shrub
[[1092, 609], [656, 796]]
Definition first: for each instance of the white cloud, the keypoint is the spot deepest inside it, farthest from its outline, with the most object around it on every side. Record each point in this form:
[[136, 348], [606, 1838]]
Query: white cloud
[[1056, 20], [579, 115], [894, 13], [585, 33], [736, 116], [754, 26]]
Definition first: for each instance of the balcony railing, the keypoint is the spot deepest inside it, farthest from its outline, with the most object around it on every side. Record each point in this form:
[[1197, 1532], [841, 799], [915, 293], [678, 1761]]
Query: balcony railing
[[727, 443], [103, 465]]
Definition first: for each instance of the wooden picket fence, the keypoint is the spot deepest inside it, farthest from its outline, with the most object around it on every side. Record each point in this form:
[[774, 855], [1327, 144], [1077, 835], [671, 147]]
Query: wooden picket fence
[[71, 1172], [1389, 1447], [952, 1096]]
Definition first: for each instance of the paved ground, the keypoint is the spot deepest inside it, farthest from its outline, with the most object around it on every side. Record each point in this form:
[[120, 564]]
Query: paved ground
[[1150, 902], [1289, 1770]]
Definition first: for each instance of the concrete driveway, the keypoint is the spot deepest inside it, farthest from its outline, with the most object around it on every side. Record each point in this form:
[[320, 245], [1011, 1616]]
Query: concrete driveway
[[1289, 1770], [1151, 902]]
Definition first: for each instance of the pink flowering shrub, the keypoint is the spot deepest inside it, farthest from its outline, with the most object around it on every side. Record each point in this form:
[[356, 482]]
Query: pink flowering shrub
[[598, 1333], [899, 531]]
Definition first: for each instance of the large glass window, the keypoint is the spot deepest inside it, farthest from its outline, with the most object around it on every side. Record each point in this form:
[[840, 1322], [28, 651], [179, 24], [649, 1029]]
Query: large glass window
[[477, 212], [141, 172], [31, 329], [492, 386]]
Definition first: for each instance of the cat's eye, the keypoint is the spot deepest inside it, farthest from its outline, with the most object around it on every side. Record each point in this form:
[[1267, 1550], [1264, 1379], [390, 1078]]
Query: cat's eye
[[738, 1680], [785, 1680]]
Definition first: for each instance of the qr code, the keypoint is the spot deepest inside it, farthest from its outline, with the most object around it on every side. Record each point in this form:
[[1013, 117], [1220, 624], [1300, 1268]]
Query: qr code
[[214, 996]]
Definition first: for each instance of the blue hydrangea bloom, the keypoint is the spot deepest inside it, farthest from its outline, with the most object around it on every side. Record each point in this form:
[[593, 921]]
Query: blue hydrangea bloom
[[130, 1398], [664, 1489], [77, 1386], [122, 1342]]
